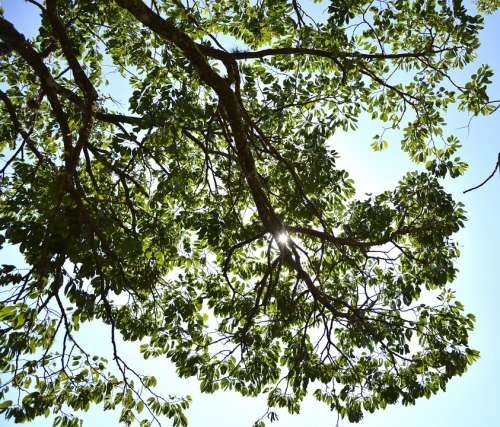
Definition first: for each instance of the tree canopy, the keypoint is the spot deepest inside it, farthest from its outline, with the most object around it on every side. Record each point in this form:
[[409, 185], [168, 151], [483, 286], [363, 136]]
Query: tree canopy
[[207, 220]]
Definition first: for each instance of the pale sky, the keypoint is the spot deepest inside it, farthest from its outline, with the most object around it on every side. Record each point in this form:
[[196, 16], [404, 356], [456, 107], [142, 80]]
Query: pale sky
[[471, 400]]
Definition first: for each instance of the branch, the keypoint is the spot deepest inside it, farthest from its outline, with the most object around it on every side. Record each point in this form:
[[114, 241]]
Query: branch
[[232, 111], [194, 53], [66, 45], [81, 80], [101, 115], [18, 42], [497, 166], [18, 127], [344, 241], [317, 52]]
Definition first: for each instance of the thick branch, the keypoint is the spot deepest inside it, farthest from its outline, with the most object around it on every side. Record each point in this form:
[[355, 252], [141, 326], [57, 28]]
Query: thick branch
[[228, 98], [66, 45], [81, 80], [283, 51], [18, 127], [345, 241], [18, 42], [235, 116]]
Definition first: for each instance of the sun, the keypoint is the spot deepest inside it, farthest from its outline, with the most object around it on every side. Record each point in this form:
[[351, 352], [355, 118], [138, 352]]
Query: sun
[[283, 238]]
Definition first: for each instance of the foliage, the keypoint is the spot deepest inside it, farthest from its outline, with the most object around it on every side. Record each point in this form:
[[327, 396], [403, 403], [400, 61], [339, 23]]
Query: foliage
[[488, 6], [209, 221]]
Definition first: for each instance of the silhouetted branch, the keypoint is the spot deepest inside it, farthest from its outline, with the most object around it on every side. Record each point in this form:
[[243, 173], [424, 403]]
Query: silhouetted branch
[[497, 166]]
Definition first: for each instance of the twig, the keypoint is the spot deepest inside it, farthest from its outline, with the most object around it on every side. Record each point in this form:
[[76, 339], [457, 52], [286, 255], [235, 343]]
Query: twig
[[497, 166]]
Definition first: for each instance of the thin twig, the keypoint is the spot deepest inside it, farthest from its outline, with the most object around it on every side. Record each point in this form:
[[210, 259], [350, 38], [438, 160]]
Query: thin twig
[[497, 166]]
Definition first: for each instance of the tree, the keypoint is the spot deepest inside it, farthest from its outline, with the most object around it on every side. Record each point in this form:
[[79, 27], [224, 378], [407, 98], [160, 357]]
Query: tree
[[488, 6], [209, 220]]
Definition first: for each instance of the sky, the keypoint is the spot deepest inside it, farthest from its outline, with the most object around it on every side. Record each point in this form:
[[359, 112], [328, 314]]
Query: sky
[[471, 400]]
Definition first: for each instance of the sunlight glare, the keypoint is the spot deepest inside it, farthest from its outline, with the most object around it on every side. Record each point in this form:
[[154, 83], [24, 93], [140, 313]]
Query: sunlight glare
[[283, 238]]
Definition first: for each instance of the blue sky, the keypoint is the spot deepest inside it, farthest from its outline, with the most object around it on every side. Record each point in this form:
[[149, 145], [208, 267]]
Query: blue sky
[[471, 400]]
